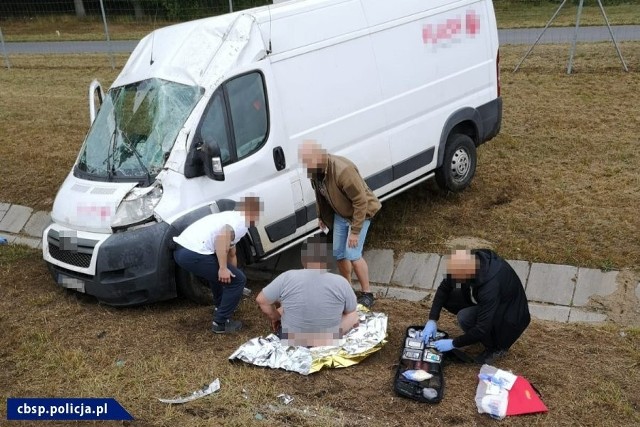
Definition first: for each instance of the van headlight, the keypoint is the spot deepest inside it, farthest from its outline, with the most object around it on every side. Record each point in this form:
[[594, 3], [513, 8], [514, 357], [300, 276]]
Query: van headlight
[[137, 206]]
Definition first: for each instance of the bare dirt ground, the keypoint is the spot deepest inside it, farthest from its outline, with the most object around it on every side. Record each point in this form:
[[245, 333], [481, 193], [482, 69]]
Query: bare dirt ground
[[56, 343]]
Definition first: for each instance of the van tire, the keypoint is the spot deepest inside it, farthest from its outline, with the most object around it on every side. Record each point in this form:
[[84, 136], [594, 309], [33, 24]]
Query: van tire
[[193, 288], [458, 165]]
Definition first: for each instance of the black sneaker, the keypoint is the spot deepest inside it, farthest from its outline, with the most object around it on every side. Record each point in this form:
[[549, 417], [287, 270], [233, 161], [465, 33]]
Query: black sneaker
[[228, 327], [489, 356], [366, 299]]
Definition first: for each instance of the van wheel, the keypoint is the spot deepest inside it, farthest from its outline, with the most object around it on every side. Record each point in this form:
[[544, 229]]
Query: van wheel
[[193, 288], [458, 164]]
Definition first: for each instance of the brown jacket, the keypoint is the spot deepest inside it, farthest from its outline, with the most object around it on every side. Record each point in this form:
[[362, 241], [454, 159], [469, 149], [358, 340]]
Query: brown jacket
[[347, 194]]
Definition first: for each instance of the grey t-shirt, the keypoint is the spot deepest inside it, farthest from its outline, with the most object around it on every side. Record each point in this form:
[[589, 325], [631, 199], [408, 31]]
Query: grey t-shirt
[[313, 300]]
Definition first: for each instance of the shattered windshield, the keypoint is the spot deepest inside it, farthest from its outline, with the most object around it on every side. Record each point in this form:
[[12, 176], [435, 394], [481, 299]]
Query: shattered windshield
[[135, 130]]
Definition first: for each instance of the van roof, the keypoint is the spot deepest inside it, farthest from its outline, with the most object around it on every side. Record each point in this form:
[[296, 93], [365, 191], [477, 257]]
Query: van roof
[[201, 52]]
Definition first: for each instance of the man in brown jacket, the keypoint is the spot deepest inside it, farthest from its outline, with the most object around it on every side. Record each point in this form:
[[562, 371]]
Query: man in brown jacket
[[344, 203]]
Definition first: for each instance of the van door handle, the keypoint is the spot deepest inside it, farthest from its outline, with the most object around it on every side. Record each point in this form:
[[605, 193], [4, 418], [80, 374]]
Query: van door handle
[[278, 158]]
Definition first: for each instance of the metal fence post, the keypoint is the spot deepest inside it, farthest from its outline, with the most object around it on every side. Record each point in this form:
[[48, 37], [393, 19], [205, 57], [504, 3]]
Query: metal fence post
[[4, 51], [106, 32], [575, 37]]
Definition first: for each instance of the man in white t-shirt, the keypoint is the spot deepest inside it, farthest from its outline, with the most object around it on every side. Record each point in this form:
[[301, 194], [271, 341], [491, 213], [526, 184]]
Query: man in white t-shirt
[[207, 248], [313, 306]]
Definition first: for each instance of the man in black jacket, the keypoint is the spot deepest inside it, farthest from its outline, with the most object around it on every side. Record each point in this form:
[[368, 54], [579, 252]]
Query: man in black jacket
[[489, 300]]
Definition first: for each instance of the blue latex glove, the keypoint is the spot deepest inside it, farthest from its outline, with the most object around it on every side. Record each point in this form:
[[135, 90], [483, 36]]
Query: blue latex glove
[[429, 330], [443, 345]]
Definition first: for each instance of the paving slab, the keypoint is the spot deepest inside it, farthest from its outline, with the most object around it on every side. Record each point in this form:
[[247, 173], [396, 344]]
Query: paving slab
[[551, 283], [522, 270], [4, 207], [15, 218], [556, 313], [416, 270], [27, 241], [37, 223], [407, 294], [583, 316], [380, 262], [593, 282]]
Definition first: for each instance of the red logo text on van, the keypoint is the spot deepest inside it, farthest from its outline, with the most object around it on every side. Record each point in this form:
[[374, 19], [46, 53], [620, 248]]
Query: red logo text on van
[[102, 212], [451, 28]]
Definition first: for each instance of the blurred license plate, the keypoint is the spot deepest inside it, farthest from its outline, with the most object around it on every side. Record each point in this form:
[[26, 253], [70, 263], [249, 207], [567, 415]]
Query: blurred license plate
[[70, 282]]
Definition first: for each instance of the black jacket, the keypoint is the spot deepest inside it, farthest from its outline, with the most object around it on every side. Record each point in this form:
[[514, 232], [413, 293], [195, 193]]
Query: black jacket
[[503, 310]]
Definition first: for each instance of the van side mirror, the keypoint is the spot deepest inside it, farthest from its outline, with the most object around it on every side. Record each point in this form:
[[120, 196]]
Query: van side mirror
[[209, 154]]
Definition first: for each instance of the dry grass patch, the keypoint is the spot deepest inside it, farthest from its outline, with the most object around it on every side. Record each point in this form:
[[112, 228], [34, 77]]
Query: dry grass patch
[[45, 116], [58, 344]]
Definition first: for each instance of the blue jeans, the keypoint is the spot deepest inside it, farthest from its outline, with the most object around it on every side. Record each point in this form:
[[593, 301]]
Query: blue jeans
[[341, 229], [225, 296]]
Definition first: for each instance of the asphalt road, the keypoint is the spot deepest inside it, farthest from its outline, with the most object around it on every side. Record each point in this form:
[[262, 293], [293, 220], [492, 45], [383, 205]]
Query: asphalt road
[[517, 36]]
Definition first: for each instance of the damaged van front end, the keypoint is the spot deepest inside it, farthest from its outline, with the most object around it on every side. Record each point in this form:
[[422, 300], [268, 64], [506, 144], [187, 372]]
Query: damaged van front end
[[107, 239]]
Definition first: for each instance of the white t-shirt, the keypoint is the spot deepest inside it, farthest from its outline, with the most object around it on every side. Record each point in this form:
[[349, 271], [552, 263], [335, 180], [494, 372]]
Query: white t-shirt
[[200, 236]]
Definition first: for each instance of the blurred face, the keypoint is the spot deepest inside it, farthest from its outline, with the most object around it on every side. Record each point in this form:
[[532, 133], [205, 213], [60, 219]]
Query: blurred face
[[251, 208], [461, 265], [315, 254], [313, 157]]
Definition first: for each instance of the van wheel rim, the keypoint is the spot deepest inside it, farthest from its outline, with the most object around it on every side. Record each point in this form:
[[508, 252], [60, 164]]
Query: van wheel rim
[[460, 165]]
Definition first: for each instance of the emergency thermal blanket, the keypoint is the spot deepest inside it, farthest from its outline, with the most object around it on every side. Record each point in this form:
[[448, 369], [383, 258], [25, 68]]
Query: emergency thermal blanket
[[367, 338]]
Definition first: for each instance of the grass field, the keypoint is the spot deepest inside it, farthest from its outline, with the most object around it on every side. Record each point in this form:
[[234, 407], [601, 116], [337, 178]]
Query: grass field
[[55, 343], [559, 184], [509, 14]]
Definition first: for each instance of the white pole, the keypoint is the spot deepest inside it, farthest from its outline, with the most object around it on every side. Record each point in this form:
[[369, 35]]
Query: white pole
[[106, 32], [4, 50], [575, 37], [230, 6]]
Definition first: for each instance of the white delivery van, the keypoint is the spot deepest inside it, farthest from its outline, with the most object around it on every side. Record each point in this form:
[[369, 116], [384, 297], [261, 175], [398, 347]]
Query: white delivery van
[[207, 111]]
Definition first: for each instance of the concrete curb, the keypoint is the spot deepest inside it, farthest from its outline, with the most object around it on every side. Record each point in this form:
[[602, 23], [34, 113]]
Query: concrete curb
[[555, 292], [558, 293], [20, 225]]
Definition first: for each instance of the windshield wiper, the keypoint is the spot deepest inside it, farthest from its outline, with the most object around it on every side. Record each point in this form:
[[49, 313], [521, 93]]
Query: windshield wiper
[[111, 170], [111, 167], [135, 152]]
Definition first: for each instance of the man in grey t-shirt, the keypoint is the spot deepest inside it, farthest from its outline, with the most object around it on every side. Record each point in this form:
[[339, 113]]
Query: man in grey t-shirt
[[313, 306]]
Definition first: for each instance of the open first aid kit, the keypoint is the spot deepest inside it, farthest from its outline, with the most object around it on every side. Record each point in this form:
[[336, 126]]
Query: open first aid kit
[[419, 375]]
